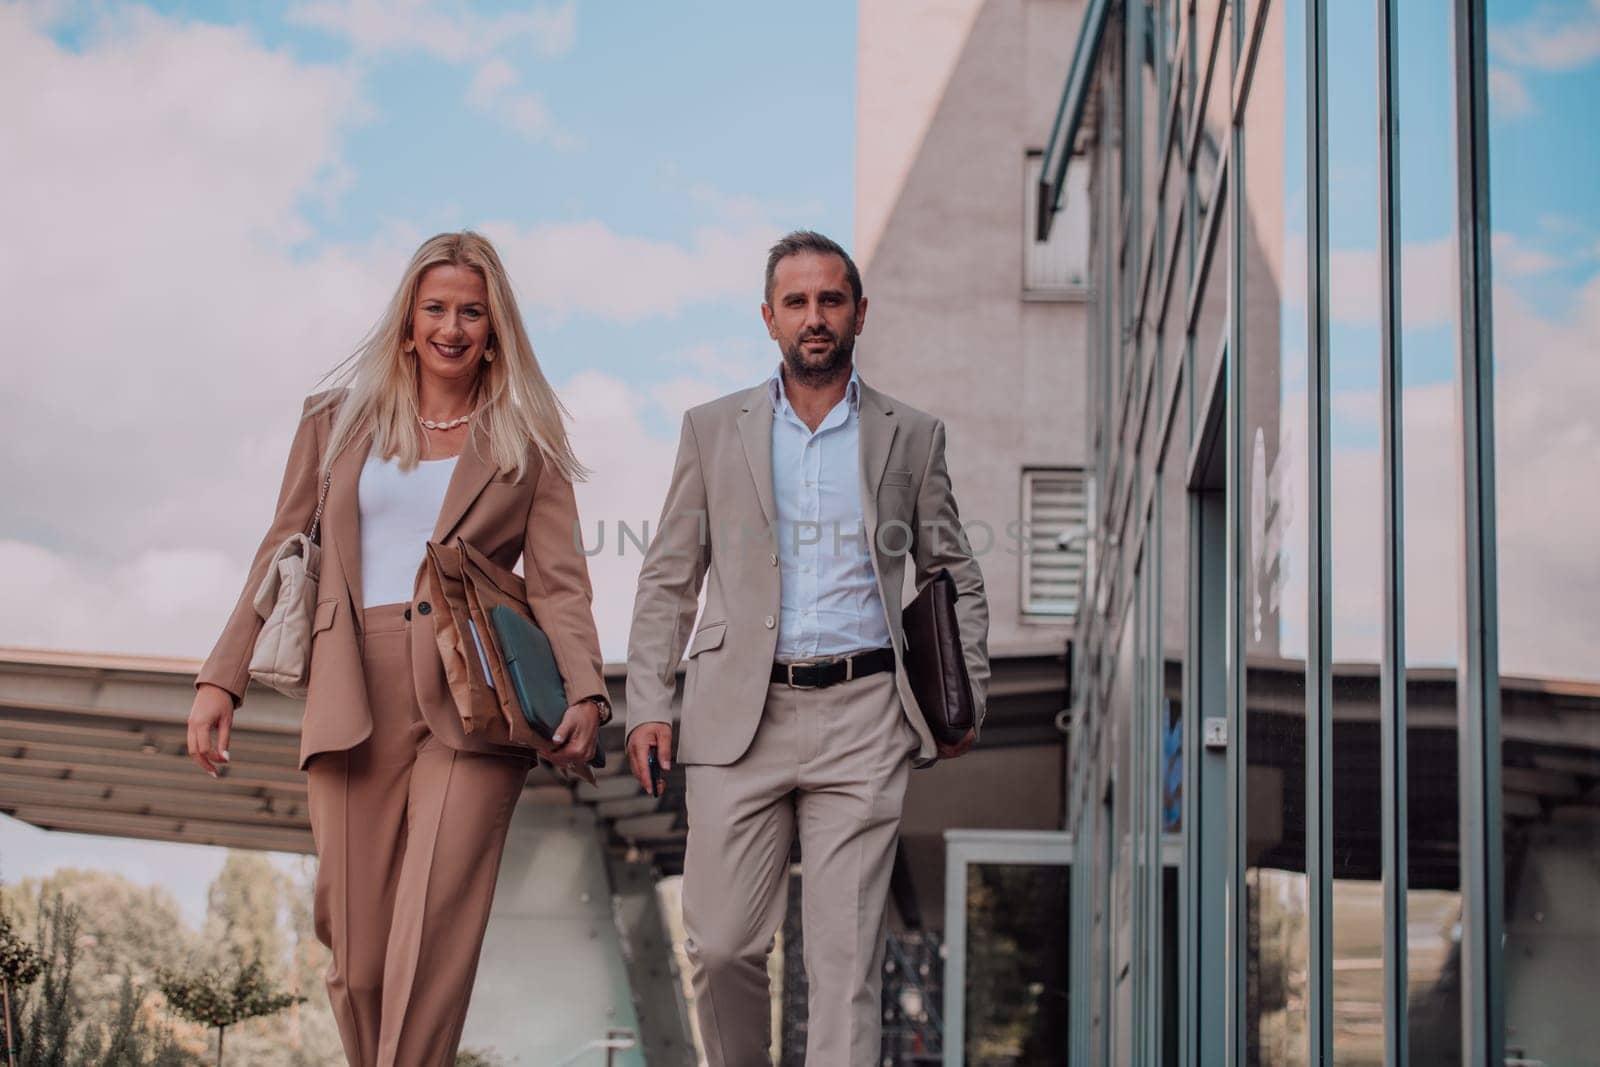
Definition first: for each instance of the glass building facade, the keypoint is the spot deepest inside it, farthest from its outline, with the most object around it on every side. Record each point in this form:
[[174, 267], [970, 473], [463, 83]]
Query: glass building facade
[[1334, 768]]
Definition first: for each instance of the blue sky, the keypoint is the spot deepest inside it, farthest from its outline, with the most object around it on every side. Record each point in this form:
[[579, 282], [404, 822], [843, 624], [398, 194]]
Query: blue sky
[[660, 119]]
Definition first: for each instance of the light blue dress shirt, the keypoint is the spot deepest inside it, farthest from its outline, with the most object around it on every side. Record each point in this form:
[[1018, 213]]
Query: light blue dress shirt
[[829, 604]]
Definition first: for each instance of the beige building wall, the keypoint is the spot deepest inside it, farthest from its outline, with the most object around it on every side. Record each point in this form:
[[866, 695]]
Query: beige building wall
[[951, 94]]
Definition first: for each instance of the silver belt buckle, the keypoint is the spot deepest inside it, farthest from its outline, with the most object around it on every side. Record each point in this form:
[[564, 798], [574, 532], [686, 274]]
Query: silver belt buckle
[[789, 667]]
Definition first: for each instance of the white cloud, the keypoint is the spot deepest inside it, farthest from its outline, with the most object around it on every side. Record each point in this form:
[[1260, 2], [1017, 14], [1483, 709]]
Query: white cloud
[[732, 361], [1509, 97], [1515, 259], [491, 79], [161, 602], [588, 267], [454, 33], [1429, 276], [1551, 41], [494, 90], [448, 31], [151, 206]]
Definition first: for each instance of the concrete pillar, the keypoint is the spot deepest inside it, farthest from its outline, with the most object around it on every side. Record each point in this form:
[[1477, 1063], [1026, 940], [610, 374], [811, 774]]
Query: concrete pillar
[[553, 977]]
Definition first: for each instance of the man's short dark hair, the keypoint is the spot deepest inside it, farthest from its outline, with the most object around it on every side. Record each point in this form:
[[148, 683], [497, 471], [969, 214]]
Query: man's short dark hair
[[810, 241]]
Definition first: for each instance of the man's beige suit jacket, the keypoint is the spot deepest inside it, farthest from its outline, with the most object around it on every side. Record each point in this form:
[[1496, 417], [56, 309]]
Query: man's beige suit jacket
[[717, 528]]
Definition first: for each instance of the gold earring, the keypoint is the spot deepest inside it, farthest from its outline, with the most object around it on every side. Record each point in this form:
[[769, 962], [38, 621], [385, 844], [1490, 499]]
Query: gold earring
[[488, 355], [410, 346]]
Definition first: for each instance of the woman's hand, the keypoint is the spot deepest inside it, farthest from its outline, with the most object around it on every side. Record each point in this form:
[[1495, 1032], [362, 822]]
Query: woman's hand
[[212, 710], [577, 735]]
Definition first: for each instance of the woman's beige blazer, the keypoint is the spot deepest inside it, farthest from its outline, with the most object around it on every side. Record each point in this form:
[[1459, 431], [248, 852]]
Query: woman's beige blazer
[[503, 516]]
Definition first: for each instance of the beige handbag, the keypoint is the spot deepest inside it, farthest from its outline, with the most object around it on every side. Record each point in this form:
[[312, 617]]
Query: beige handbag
[[287, 603]]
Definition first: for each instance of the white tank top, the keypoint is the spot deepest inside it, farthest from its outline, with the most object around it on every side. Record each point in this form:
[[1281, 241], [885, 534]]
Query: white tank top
[[399, 510]]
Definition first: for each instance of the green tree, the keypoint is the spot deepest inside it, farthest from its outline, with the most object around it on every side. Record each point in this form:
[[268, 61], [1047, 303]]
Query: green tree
[[53, 1029], [245, 907], [123, 929], [213, 998], [19, 968]]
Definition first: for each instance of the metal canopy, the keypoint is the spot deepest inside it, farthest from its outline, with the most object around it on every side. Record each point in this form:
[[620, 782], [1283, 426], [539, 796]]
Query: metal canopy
[[1069, 116], [96, 744]]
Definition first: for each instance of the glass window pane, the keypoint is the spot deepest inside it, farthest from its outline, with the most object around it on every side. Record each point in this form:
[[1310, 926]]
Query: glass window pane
[[1213, 316], [1151, 109], [1213, 135], [1121, 722], [1205, 28], [1018, 952], [1060, 264], [1273, 341], [1543, 158], [1431, 501], [1356, 527], [1174, 195], [1174, 612], [1173, 13]]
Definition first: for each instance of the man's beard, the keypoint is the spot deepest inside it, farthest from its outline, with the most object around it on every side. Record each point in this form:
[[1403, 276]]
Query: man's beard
[[819, 370]]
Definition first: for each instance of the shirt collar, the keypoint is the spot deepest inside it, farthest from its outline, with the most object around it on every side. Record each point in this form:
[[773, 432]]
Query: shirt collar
[[780, 398]]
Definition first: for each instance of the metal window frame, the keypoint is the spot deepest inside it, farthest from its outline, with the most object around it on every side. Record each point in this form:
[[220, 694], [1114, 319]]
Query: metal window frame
[[1069, 114], [1234, 641], [1319, 645], [962, 849], [1478, 675], [1392, 655]]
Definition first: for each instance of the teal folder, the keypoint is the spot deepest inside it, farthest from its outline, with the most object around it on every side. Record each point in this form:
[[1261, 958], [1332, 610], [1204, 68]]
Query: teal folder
[[531, 663]]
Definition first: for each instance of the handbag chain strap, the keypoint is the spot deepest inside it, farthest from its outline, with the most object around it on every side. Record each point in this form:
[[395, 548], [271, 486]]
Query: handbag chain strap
[[322, 498]]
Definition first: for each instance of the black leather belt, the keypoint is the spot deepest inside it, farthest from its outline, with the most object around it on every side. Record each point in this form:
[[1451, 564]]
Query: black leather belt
[[833, 671]]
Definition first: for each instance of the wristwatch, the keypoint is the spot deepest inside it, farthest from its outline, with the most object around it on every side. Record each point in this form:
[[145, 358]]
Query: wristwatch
[[604, 705]]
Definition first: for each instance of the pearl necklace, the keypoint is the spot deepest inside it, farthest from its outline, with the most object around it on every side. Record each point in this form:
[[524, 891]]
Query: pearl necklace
[[452, 424]]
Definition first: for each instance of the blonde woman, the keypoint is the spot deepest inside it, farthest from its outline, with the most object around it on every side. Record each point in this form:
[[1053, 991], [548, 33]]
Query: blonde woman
[[441, 426]]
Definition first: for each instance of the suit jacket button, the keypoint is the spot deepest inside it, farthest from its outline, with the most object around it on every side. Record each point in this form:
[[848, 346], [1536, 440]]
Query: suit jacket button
[[424, 607], [774, 558], [771, 622], [408, 615]]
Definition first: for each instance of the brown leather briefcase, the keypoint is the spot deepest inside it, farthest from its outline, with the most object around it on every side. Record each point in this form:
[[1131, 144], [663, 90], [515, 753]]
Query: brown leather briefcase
[[935, 666]]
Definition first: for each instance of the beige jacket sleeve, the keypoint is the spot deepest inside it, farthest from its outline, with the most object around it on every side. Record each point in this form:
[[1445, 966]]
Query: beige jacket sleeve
[[669, 589], [941, 543], [228, 666]]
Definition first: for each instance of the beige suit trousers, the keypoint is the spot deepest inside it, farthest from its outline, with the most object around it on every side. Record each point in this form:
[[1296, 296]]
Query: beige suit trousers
[[830, 764], [409, 834]]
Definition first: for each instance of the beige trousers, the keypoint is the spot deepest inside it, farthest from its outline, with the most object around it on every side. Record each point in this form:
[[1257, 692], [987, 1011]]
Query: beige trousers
[[830, 764], [409, 834]]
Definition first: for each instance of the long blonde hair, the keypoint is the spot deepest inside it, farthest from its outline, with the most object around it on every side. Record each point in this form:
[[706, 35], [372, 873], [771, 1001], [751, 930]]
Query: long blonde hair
[[377, 384]]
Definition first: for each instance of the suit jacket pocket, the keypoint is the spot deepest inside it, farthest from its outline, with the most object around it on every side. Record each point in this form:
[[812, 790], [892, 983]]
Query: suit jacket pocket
[[893, 477], [707, 638], [326, 610]]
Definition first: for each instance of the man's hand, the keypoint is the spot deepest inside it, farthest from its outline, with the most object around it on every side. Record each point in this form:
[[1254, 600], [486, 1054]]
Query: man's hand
[[577, 735], [959, 749], [645, 736]]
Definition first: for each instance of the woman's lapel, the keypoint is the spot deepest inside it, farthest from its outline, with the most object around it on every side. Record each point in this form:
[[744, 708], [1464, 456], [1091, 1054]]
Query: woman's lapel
[[473, 471]]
